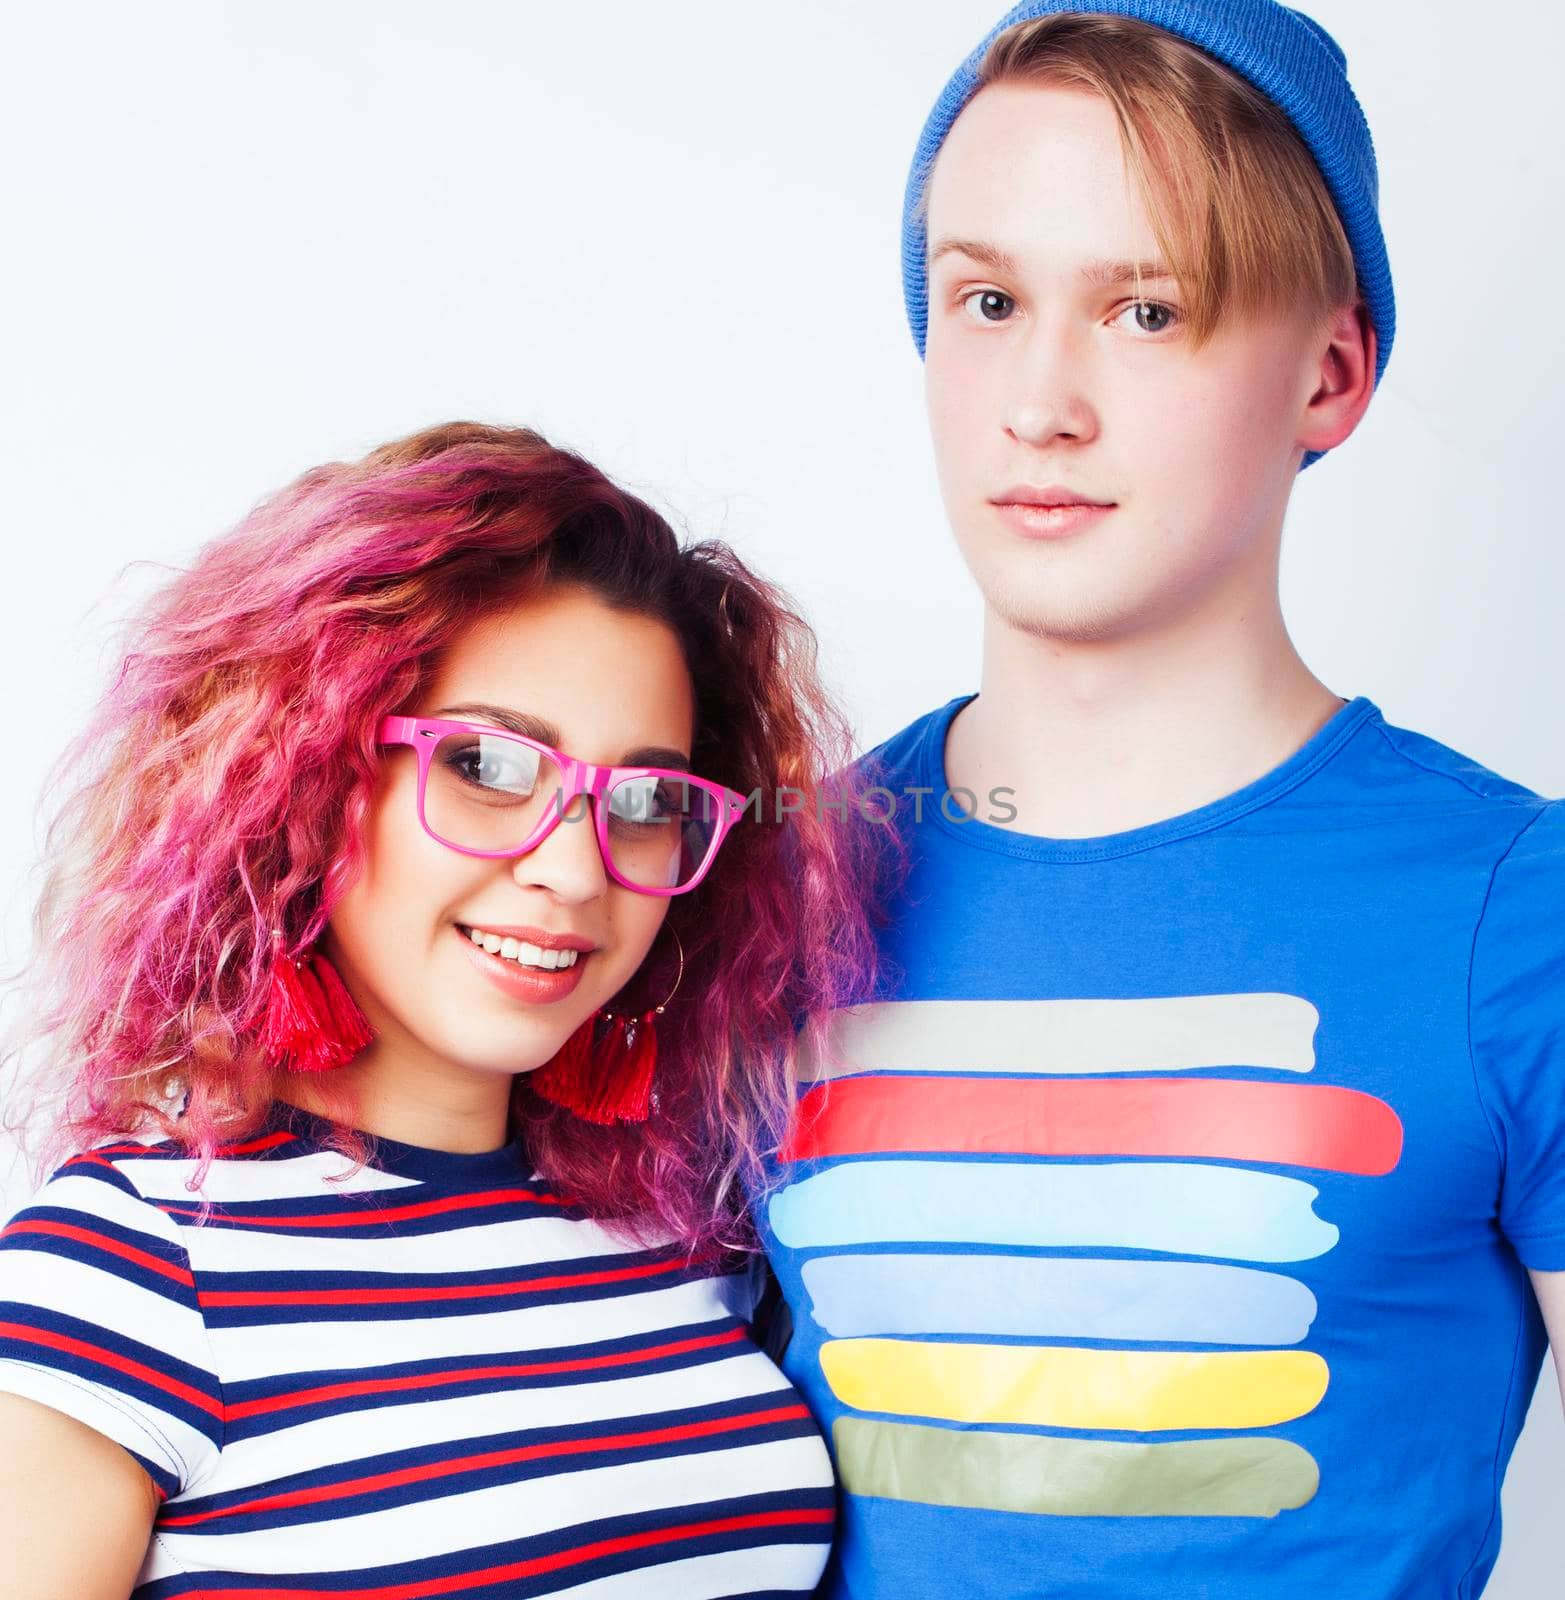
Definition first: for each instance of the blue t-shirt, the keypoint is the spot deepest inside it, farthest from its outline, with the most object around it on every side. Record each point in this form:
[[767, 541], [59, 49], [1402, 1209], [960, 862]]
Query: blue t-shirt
[[1161, 1227]]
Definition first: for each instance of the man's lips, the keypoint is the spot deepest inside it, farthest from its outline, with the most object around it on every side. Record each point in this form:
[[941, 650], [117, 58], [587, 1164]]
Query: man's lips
[[1049, 512], [1049, 494]]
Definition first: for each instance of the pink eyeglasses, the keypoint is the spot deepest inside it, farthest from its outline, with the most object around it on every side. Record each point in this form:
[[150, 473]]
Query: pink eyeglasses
[[496, 794]]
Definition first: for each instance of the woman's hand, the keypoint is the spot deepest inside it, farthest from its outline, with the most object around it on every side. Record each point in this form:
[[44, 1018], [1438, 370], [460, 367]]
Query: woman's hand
[[76, 1511]]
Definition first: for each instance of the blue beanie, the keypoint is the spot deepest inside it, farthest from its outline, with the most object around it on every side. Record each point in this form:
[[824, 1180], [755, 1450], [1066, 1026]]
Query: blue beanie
[[1288, 56]]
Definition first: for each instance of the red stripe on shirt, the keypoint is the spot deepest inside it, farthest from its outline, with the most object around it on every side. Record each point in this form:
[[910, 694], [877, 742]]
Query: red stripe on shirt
[[372, 1215], [134, 1147], [263, 1141], [426, 1588], [434, 1380], [107, 1358], [415, 1294], [126, 1252], [490, 1459]]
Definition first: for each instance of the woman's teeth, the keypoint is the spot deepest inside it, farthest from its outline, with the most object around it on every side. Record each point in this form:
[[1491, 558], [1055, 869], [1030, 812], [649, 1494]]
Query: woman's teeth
[[519, 951]]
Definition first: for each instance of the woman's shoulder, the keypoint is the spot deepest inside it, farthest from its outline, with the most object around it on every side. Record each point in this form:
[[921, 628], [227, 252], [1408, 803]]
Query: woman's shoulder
[[99, 1185], [143, 1202], [281, 1157], [100, 1317]]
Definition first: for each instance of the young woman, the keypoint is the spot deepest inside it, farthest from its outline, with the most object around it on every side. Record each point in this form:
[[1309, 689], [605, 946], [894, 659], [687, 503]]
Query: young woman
[[423, 960]]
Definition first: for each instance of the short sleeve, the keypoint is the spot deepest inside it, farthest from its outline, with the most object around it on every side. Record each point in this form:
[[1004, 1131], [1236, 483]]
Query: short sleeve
[[1517, 1023], [99, 1319], [742, 1287]]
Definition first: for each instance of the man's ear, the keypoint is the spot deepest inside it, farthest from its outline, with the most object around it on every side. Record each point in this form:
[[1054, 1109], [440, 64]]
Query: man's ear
[[1344, 381]]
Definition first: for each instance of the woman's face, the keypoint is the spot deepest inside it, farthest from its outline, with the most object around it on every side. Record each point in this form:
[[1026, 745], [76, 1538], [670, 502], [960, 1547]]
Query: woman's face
[[607, 686]]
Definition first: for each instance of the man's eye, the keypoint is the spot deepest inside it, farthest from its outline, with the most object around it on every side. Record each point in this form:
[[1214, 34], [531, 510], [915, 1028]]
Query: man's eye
[[1152, 316], [988, 305]]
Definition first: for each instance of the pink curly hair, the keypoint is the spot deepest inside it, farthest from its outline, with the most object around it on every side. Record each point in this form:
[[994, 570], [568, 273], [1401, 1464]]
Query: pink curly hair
[[228, 769]]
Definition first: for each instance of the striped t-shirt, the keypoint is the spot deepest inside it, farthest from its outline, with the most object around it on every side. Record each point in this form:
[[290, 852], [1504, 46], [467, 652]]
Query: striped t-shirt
[[436, 1378]]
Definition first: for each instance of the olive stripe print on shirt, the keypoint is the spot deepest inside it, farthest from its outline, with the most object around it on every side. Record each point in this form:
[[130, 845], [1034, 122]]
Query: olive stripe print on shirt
[[1037, 1241]]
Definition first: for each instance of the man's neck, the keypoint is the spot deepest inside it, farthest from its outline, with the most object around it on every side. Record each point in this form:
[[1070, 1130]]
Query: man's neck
[[1100, 737]]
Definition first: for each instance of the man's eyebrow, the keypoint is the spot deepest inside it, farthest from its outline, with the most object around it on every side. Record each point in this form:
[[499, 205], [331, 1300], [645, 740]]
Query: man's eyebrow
[[531, 727], [986, 255], [1105, 274], [1100, 274]]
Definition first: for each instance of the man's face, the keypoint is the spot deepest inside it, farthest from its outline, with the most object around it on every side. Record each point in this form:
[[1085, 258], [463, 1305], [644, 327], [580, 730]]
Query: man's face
[[1046, 371]]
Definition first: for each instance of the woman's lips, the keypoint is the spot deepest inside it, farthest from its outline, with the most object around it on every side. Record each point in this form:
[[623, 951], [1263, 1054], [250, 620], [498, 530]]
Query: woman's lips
[[534, 985]]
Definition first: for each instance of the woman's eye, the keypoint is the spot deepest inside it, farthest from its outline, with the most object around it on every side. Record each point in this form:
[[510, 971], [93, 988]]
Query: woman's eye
[[490, 769], [988, 305], [1152, 316], [498, 774], [648, 800]]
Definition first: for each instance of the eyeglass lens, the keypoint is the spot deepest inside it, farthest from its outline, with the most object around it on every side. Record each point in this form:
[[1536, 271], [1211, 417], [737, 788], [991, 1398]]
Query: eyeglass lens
[[491, 792]]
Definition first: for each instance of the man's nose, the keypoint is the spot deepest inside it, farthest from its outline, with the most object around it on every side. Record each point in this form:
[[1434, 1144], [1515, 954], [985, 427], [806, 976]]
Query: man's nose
[[1051, 384]]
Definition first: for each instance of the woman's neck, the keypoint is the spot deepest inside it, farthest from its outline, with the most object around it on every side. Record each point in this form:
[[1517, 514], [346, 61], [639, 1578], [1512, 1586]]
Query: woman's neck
[[433, 1106]]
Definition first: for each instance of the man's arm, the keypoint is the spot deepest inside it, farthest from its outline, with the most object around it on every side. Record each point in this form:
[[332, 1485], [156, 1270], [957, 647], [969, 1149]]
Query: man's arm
[[1550, 1289]]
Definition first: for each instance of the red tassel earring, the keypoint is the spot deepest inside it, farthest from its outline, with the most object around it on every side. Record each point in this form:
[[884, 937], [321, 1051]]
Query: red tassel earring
[[312, 1023], [608, 1079]]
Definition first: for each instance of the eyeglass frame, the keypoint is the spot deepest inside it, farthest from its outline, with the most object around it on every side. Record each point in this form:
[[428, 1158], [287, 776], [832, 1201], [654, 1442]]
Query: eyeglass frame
[[578, 777]]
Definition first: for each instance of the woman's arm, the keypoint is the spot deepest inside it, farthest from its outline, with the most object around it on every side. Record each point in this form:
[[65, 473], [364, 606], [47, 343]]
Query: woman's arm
[[76, 1510]]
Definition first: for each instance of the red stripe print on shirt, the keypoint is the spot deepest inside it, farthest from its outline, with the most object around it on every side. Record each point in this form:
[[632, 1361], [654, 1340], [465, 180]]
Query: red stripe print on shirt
[[493, 1460], [538, 1566], [98, 1241], [325, 1393], [65, 1345], [1234, 1119], [430, 1294]]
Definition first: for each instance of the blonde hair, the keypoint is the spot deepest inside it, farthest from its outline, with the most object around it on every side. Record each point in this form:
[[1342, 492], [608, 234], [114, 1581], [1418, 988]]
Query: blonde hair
[[1239, 207]]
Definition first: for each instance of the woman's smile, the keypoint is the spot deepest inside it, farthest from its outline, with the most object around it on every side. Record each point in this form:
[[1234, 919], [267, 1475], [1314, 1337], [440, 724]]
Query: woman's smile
[[522, 969]]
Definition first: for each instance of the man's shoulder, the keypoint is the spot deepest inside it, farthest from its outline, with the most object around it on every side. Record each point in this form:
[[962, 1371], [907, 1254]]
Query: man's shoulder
[[1463, 809], [1426, 757], [1426, 775], [904, 754]]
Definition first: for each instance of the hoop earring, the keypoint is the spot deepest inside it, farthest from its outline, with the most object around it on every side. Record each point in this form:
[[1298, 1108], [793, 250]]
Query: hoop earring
[[312, 1023], [608, 1078]]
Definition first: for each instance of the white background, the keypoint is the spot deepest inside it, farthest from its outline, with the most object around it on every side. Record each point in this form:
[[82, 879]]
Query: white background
[[241, 239]]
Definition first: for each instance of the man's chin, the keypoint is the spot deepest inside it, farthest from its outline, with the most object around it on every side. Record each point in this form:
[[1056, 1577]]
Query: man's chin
[[1065, 614]]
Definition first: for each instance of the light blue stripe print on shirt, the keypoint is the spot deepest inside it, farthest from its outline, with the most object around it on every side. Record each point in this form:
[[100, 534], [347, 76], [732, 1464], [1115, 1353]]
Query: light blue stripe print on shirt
[[1180, 1208], [1071, 1297]]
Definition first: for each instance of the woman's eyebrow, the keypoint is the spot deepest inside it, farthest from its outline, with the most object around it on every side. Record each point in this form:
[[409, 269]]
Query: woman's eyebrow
[[531, 727], [657, 756]]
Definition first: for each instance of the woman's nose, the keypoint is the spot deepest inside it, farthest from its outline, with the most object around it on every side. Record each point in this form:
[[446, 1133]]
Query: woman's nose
[[567, 862]]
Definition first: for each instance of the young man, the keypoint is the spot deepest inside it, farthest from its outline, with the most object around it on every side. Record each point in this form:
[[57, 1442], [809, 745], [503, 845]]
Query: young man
[[1176, 1217]]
